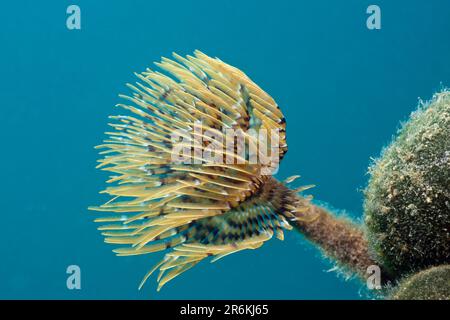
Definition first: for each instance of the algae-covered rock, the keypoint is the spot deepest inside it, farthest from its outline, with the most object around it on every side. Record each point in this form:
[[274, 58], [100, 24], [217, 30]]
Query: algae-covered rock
[[430, 284], [407, 200]]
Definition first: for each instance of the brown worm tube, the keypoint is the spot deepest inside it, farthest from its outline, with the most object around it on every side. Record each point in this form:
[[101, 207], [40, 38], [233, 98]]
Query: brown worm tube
[[340, 239]]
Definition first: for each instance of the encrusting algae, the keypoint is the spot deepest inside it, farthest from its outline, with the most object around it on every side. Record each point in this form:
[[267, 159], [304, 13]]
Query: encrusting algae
[[428, 284], [407, 200]]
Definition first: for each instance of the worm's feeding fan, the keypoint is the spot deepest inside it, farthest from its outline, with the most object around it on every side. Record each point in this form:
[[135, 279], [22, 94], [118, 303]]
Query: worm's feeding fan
[[196, 210]]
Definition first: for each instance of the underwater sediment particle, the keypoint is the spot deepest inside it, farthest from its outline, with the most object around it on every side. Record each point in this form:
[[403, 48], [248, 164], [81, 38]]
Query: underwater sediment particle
[[407, 200], [429, 284]]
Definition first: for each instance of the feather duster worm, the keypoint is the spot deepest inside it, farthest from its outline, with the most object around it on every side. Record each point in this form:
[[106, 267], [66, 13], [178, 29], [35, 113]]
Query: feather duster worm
[[197, 208]]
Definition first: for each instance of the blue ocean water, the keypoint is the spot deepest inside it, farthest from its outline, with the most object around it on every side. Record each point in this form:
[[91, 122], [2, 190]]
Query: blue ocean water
[[343, 88]]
